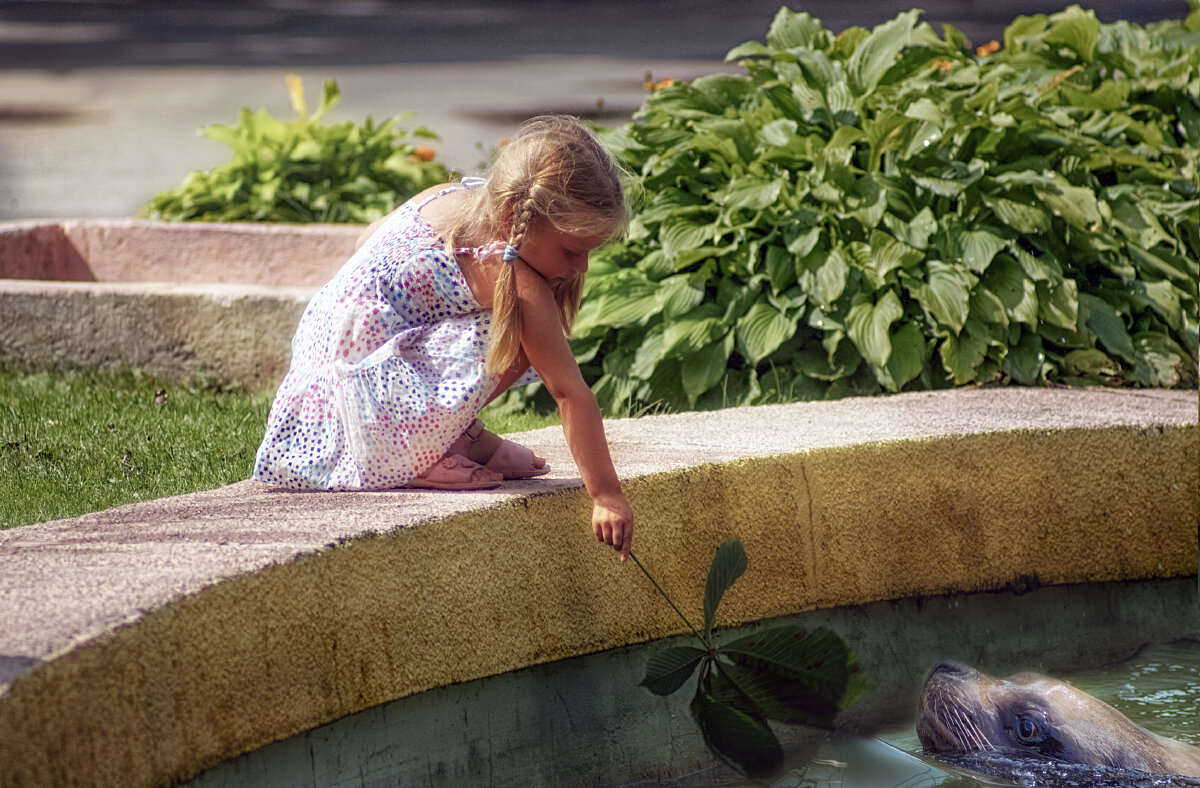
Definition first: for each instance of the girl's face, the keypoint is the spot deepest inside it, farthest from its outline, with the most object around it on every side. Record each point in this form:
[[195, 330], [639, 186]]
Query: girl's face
[[556, 255]]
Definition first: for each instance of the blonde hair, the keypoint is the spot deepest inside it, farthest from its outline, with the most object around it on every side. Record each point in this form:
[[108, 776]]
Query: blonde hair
[[552, 172]]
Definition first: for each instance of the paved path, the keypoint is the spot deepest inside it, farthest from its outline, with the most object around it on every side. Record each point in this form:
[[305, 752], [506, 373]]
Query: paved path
[[101, 100]]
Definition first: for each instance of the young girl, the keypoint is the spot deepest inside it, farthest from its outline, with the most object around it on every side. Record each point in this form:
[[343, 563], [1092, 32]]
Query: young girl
[[451, 299]]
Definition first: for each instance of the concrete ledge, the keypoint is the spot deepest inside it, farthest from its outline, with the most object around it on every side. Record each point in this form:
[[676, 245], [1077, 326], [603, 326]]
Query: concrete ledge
[[134, 250], [145, 644], [232, 333], [175, 299]]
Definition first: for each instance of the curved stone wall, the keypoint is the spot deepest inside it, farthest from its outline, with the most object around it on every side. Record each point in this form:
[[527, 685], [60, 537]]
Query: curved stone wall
[[148, 643]]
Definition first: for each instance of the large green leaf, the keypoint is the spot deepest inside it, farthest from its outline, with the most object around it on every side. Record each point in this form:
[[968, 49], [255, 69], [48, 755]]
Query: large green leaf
[[749, 193], [704, 369], [763, 329], [878, 53], [979, 247], [1107, 325], [680, 235], [1008, 281], [739, 737], [688, 333], [1163, 297], [1075, 204], [636, 299], [1021, 217], [669, 669], [1161, 362], [1138, 224], [868, 324], [831, 278], [908, 358], [791, 30], [946, 294], [963, 353], [792, 674], [886, 254], [1025, 360], [728, 565], [649, 354], [915, 233], [1058, 303], [1075, 29], [679, 294]]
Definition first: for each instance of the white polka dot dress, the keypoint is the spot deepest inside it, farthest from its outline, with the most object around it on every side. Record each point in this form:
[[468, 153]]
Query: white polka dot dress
[[387, 368]]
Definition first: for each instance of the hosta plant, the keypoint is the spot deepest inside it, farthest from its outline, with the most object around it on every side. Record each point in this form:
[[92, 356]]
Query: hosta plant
[[781, 673], [303, 171], [889, 209]]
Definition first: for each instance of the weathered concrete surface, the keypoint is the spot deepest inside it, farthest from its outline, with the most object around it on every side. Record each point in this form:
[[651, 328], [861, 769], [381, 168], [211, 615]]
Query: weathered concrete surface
[[232, 333], [146, 643], [176, 300], [133, 250]]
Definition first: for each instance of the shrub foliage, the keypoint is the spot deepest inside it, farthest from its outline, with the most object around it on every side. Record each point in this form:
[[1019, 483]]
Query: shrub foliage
[[302, 171], [886, 209]]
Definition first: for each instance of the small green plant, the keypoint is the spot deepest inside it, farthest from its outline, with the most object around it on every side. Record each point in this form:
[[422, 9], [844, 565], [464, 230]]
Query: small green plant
[[302, 171], [782, 673]]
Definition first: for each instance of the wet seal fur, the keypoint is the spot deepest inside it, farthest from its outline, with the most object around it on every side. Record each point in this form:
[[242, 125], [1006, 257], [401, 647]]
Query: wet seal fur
[[965, 712]]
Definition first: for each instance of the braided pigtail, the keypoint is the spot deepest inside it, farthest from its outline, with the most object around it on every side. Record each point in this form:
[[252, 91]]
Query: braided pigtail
[[552, 175], [506, 316]]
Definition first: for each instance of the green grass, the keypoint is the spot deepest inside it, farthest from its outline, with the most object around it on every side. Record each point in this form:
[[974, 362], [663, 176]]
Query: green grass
[[78, 442]]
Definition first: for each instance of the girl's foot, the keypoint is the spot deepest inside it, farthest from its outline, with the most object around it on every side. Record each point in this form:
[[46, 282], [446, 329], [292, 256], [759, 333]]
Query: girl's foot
[[511, 460], [456, 472]]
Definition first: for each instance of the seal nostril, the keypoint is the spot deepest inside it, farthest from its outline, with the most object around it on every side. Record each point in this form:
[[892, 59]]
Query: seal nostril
[[950, 667]]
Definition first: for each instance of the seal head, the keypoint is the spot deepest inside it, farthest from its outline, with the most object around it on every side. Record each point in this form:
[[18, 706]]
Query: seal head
[[1030, 715]]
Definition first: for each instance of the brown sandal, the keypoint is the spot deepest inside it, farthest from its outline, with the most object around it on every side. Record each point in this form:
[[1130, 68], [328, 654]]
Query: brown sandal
[[511, 460], [456, 472]]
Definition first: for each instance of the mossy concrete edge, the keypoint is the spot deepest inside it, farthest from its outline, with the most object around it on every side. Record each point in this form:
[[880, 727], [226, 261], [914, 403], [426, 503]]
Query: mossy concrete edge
[[257, 657]]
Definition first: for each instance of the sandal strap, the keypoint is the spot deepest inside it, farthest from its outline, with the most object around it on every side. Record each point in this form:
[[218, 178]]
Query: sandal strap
[[474, 431]]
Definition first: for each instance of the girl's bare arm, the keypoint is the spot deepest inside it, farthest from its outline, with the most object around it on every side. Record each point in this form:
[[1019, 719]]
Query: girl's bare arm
[[546, 347]]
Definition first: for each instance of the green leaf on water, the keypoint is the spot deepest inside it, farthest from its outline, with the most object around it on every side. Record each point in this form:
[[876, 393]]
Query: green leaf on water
[[792, 674], [738, 736], [668, 670]]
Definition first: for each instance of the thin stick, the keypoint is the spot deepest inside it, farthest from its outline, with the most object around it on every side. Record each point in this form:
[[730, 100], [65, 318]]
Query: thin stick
[[669, 602]]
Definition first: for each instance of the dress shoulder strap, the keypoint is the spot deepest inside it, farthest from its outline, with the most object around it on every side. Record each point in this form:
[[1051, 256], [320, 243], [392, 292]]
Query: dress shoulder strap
[[465, 183]]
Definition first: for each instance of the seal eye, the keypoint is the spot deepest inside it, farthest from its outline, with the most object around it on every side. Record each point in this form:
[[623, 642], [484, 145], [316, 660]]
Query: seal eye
[[1027, 730]]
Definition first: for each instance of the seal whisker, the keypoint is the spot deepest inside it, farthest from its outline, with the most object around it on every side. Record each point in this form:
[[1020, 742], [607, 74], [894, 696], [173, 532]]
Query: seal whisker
[[971, 731]]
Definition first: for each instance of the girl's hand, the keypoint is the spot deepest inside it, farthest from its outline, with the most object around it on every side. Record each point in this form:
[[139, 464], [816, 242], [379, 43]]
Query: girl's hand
[[612, 520]]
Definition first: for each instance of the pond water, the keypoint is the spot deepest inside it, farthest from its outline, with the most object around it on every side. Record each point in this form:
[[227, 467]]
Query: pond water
[[1158, 689]]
